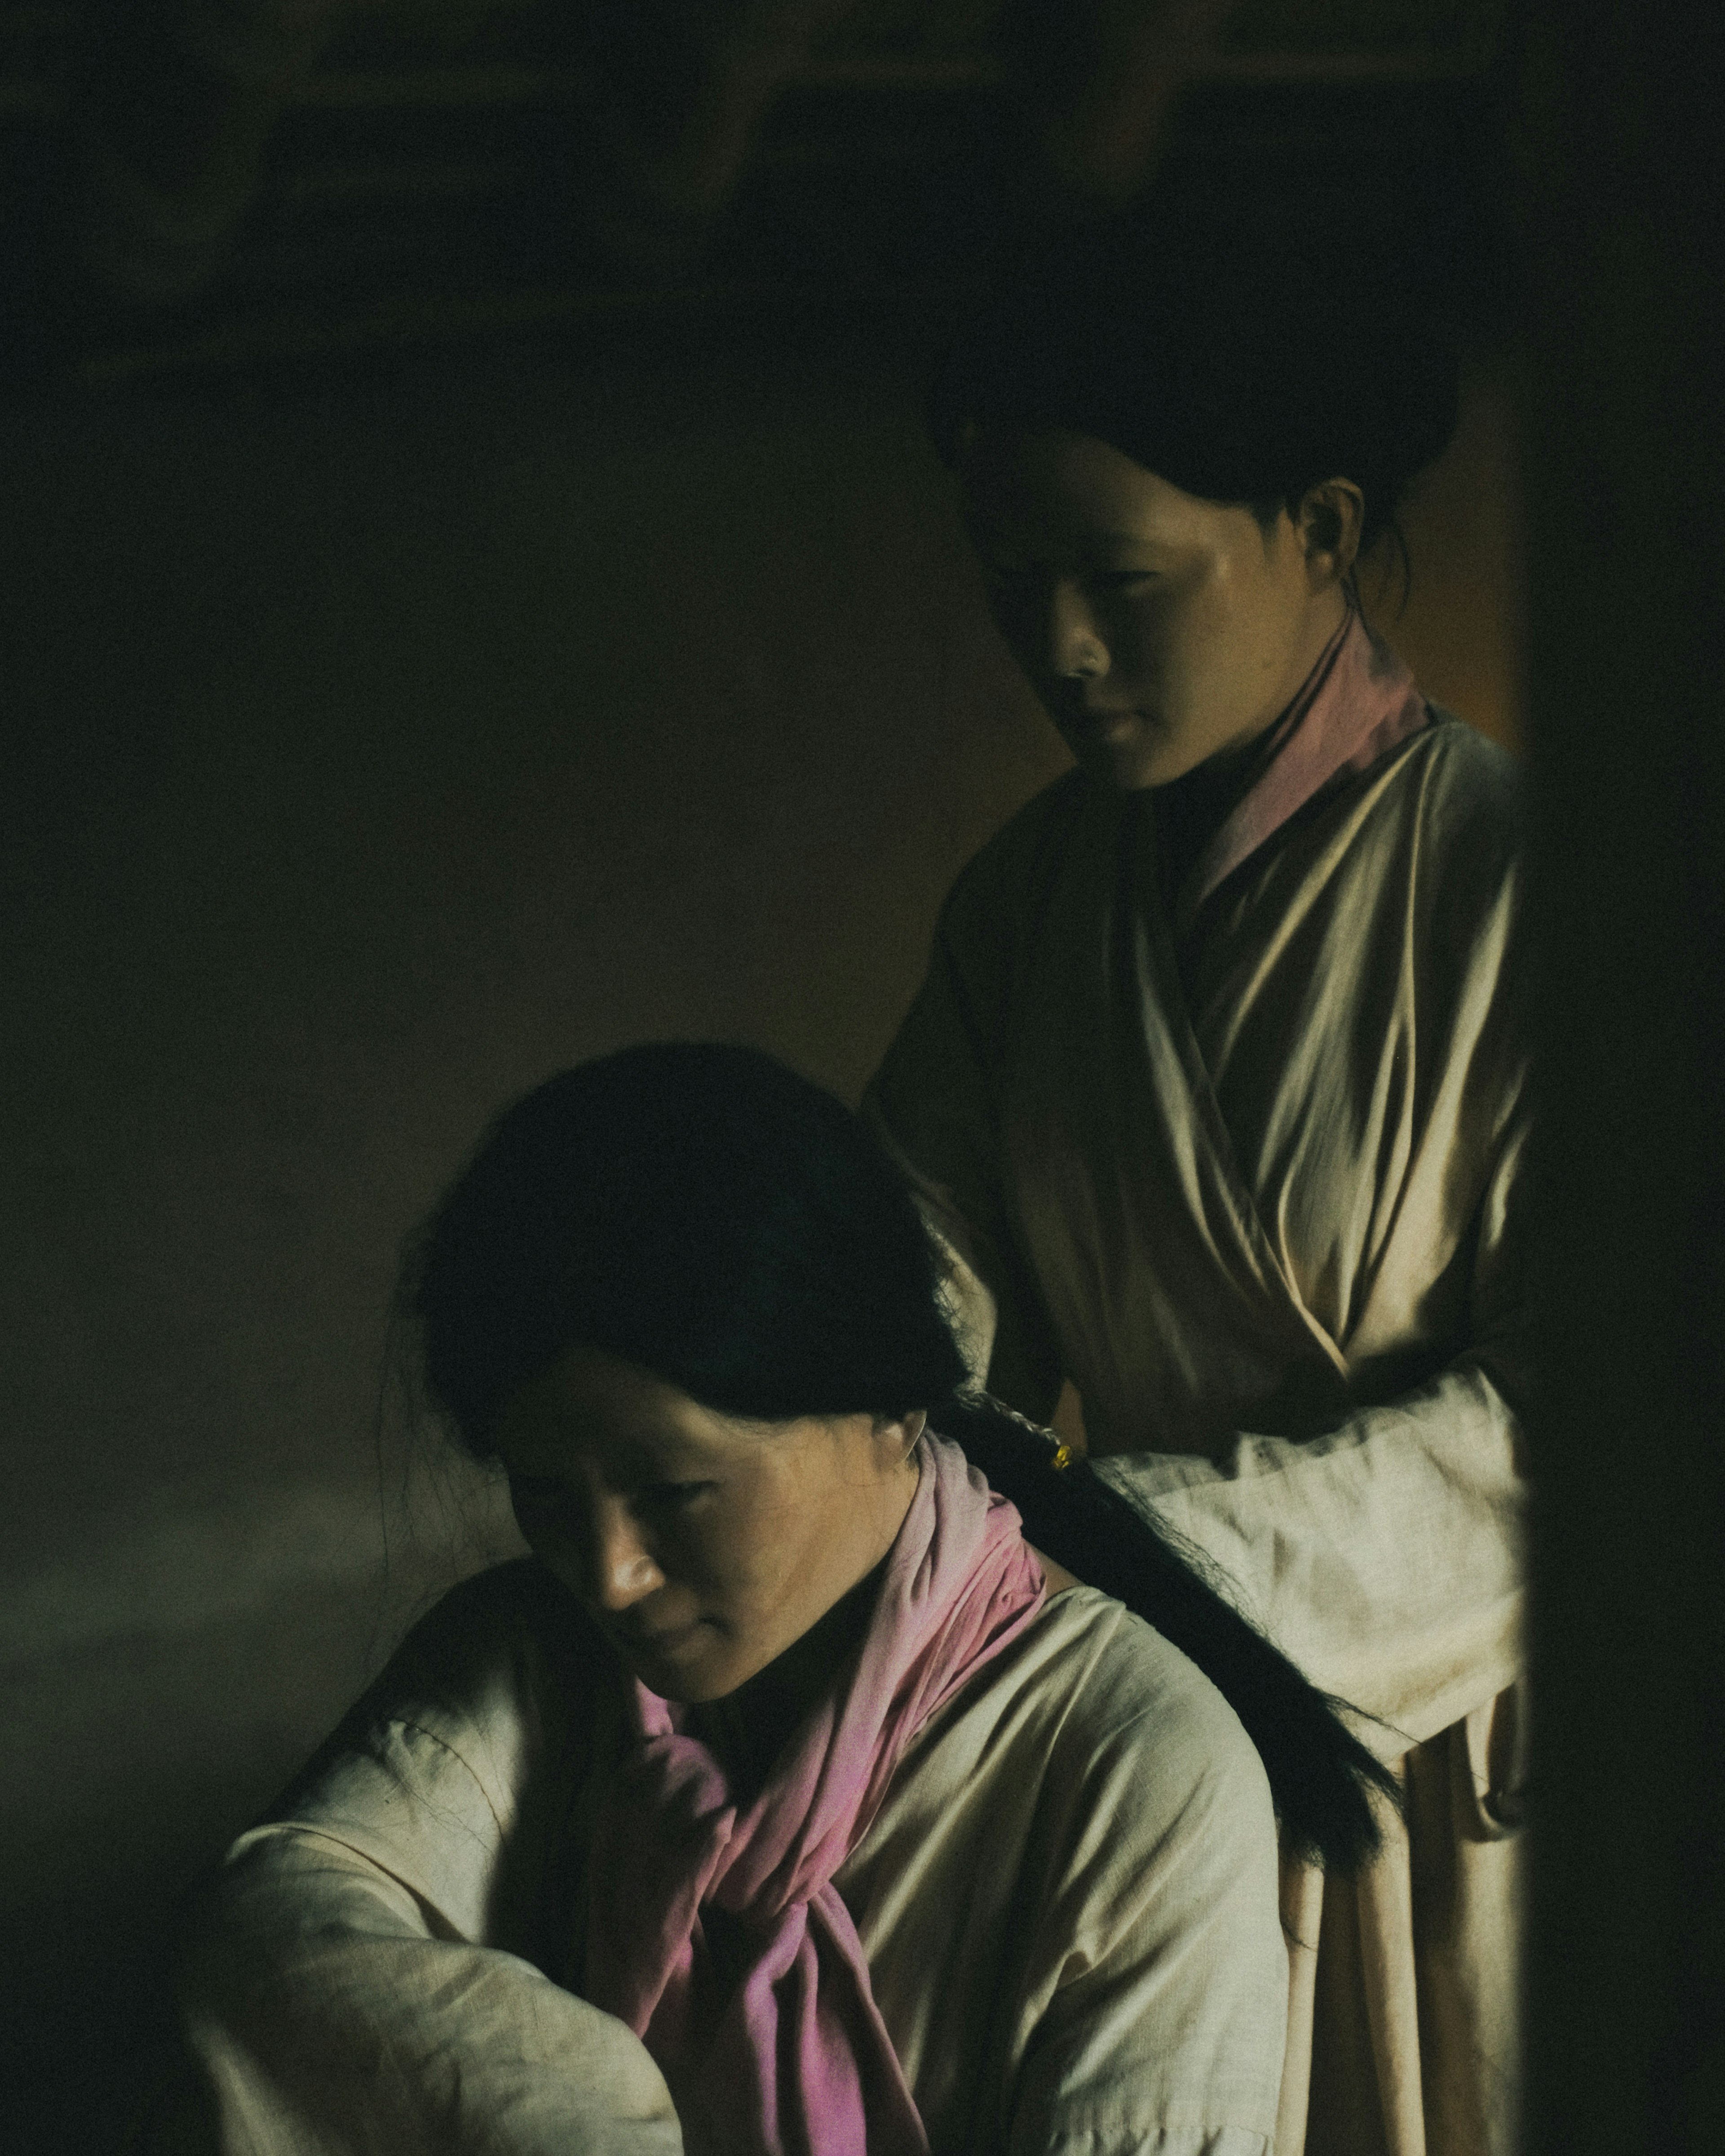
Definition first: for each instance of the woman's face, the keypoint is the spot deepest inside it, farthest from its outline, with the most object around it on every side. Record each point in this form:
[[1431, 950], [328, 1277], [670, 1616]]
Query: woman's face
[[1159, 629], [703, 1545]]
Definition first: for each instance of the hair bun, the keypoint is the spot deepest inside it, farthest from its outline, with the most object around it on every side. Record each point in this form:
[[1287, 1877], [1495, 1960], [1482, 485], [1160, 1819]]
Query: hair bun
[[1244, 360], [1424, 394]]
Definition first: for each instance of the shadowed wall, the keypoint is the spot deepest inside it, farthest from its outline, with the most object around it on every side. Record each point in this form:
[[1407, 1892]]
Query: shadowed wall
[[373, 751], [1622, 204]]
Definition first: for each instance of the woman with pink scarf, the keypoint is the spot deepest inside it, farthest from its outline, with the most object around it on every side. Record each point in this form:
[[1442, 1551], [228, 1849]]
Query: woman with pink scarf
[[788, 1799]]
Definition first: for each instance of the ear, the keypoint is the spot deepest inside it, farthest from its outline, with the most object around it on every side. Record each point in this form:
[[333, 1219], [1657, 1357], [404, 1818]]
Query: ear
[[1331, 517], [906, 1430]]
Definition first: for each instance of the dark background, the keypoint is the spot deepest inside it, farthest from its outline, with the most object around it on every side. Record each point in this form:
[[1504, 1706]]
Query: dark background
[[391, 749], [426, 666]]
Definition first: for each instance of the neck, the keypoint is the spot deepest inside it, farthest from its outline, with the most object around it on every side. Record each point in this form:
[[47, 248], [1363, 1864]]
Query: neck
[[749, 1727], [1329, 614], [1192, 809], [1226, 773]]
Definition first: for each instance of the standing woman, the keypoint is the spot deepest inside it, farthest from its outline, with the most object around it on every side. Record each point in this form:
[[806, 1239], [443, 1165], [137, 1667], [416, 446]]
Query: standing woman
[[1217, 1082]]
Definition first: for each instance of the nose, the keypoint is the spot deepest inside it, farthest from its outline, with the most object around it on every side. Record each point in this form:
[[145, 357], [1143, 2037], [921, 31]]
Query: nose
[[624, 1569], [1076, 650]]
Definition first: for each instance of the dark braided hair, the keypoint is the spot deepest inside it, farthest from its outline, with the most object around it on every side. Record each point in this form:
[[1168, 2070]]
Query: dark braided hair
[[1320, 1775], [704, 1212]]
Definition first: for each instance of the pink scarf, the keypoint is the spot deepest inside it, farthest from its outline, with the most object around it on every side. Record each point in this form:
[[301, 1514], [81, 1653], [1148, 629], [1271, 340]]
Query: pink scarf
[[792, 2057]]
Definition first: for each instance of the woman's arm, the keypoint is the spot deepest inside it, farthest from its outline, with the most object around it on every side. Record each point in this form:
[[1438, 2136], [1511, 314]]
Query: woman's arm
[[323, 2012], [1385, 1557], [355, 1975], [931, 1106]]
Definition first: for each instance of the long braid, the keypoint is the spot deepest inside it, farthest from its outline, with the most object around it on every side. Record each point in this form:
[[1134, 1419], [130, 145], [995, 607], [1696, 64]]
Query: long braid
[[1322, 1778], [701, 1211]]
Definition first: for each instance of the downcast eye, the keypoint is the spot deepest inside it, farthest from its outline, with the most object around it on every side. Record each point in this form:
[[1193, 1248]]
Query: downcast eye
[[670, 1496]]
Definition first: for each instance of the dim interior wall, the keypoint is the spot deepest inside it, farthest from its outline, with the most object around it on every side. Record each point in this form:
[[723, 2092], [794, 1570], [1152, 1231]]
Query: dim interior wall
[[1457, 616], [1622, 209], [374, 752]]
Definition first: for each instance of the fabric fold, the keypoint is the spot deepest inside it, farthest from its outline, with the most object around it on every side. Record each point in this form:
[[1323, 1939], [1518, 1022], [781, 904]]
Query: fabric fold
[[775, 2008], [1358, 702], [1239, 1151]]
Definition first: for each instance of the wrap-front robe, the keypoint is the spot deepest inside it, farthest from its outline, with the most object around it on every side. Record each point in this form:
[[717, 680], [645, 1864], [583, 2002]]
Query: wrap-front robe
[[1247, 1169], [1065, 1899]]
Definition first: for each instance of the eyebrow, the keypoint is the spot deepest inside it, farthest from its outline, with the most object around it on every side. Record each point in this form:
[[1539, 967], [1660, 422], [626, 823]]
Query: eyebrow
[[978, 530], [534, 1452], [1095, 556]]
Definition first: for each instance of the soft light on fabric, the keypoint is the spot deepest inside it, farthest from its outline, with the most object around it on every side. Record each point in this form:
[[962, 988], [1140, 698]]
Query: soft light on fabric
[[793, 2052]]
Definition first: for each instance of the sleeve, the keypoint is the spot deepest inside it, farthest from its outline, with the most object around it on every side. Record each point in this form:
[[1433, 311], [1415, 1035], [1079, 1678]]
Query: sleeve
[[1385, 1557], [323, 2014], [933, 1106], [345, 1985], [1167, 2013]]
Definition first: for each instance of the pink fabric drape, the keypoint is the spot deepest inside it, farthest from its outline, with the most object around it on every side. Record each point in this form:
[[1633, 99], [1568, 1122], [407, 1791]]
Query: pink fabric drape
[[786, 2050], [1357, 704]]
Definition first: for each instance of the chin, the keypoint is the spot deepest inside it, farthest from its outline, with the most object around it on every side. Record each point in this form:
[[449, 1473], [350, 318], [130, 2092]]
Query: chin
[[1128, 752], [684, 1687], [694, 1667], [1129, 766], [681, 1691]]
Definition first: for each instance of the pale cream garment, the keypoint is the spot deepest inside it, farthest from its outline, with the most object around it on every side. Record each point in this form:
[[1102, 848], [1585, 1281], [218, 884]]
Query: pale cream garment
[[1269, 1221], [1067, 1901]]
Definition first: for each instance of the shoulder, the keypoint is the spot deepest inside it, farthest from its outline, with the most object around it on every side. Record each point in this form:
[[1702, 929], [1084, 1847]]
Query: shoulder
[[508, 1615], [1005, 873], [1455, 801], [1135, 1697], [512, 1628], [1127, 1728], [1112, 1813], [1471, 784], [501, 1677], [1467, 856], [454, 1773], [1434, 843]]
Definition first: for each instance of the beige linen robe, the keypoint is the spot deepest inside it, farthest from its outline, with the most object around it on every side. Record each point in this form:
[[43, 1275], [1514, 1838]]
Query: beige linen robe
[[1250, 1178], [1066, 1900]]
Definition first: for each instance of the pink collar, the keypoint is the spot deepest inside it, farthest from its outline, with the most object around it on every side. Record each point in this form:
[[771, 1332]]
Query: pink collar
[[716, 1934], [1357, 703]]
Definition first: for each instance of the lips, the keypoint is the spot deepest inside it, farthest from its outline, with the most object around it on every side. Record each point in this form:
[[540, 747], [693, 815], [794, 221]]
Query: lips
[[1097, 722], [1069, 712], [665, 1642]]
